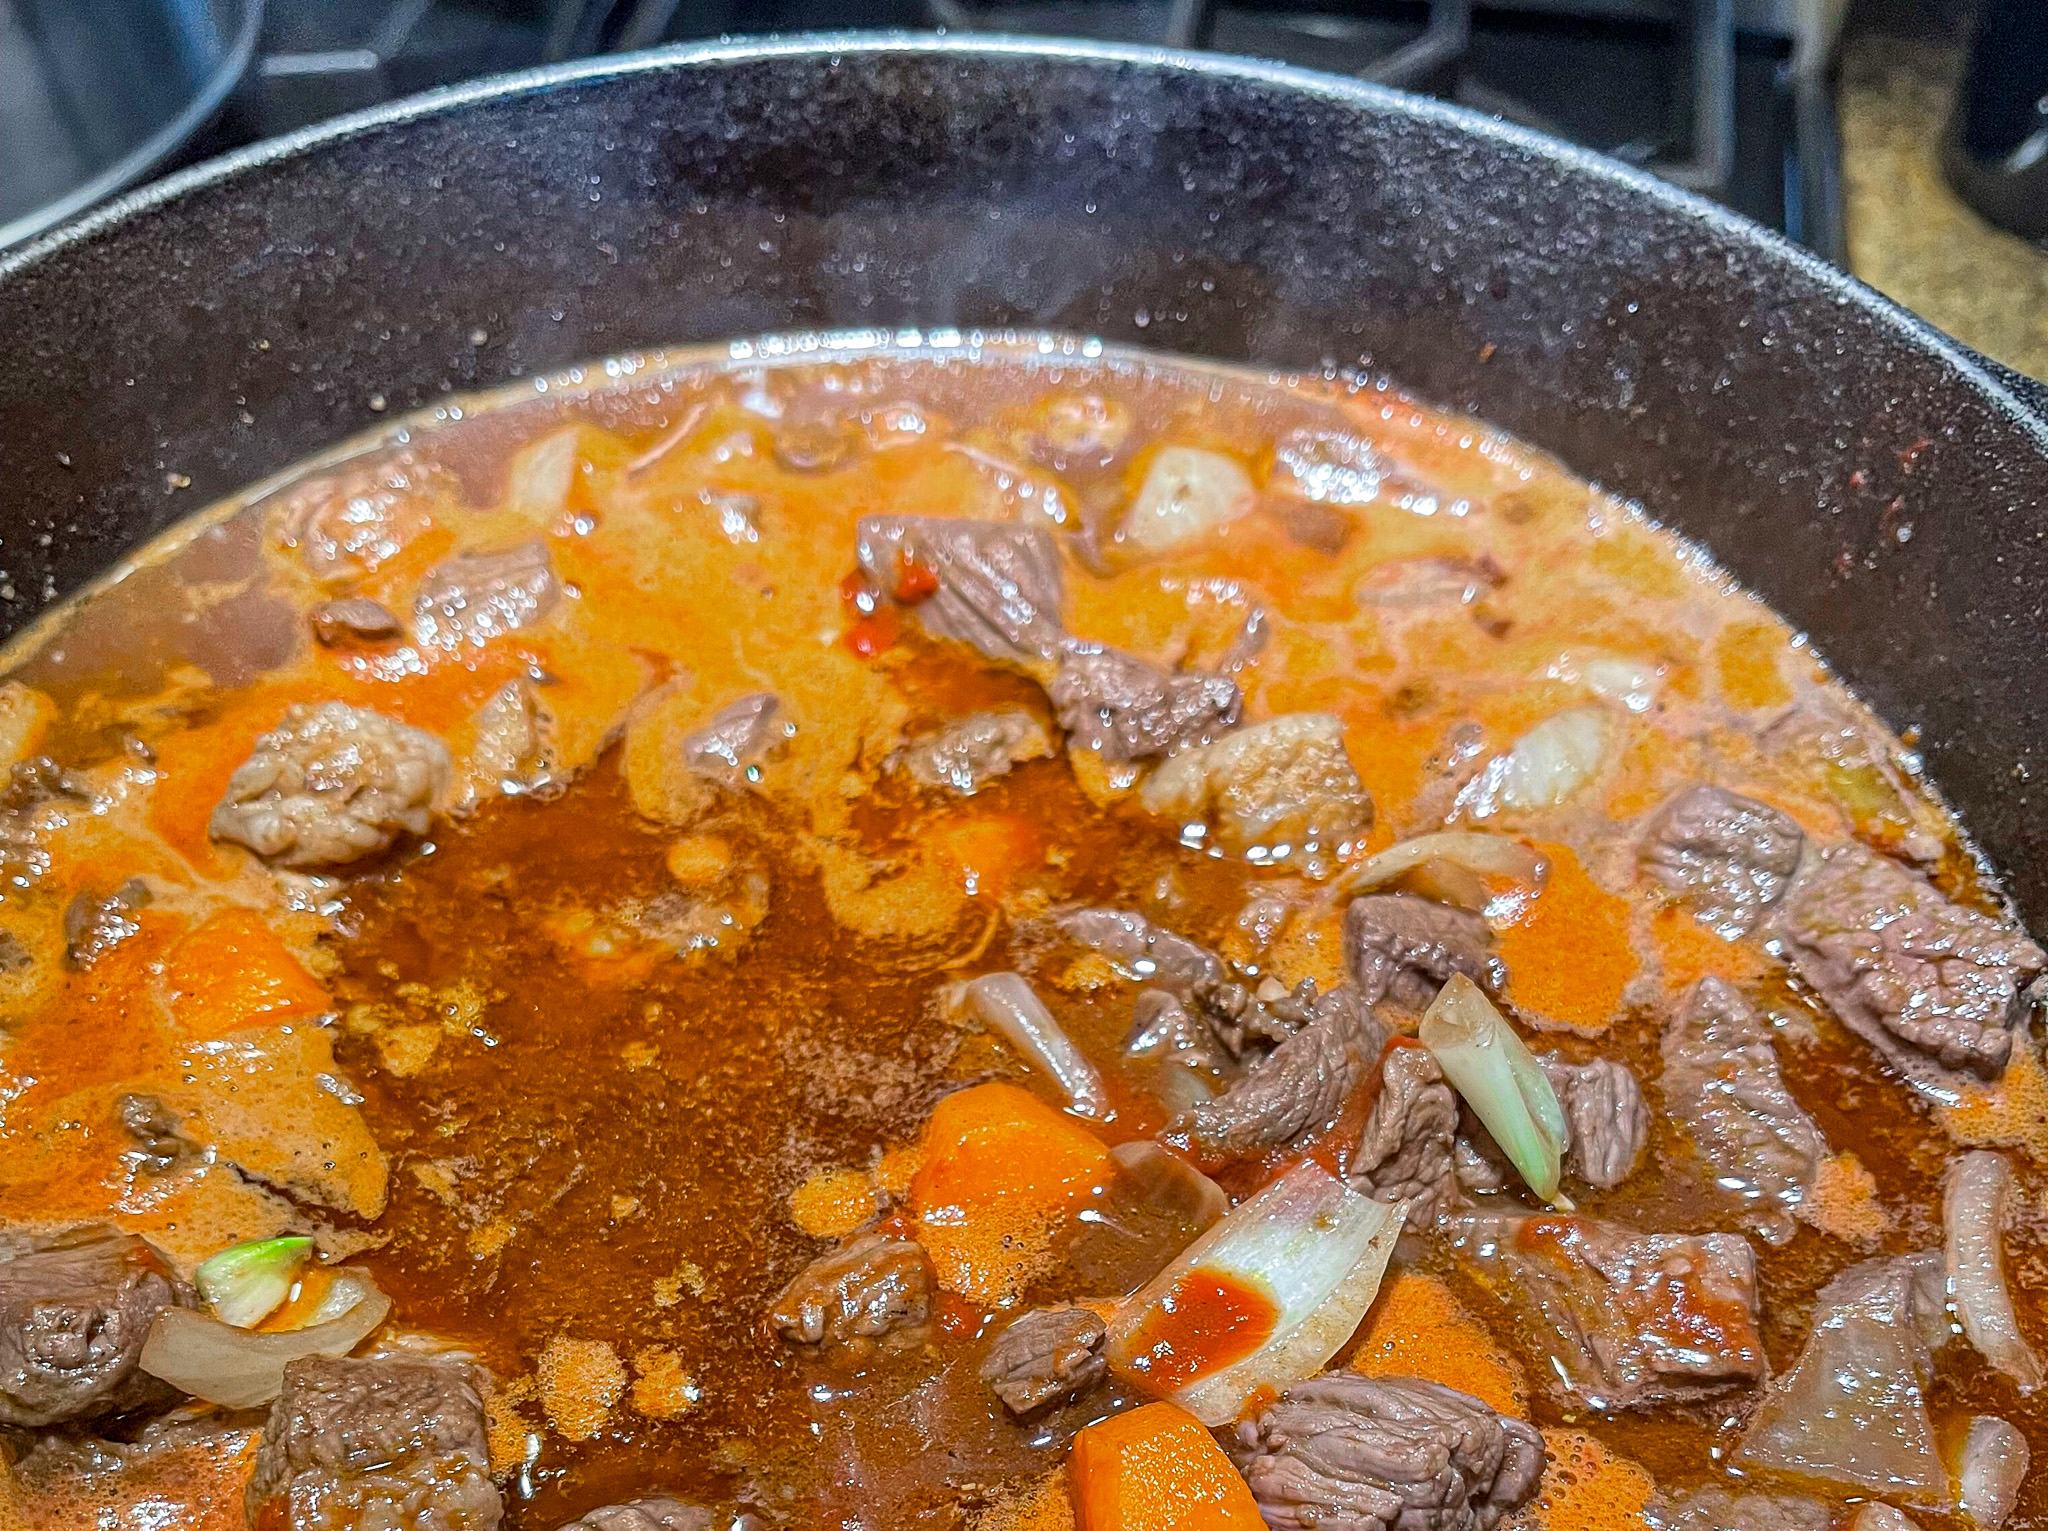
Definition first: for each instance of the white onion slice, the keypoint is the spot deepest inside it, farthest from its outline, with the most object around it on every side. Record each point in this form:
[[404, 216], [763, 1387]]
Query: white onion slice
[[243, 1368], [1973, 1224], [1308, 1245], [1495, 1074], [1007, 1003], [1489, 855], [1187, 491], [538, 482], [1633, 683], [245, 1284], [1989, 1470], [1546, 767]]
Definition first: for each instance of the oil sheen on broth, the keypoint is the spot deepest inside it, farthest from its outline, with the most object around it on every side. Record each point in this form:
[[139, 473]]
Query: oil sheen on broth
[[651, 1002]]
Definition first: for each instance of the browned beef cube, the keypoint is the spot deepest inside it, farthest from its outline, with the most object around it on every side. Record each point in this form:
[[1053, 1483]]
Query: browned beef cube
[[74, 1312], [1932, 985], [994, 584], [1402, 948], [1724, 1089], [1621, 1319], [1126, 708], [1300, 1087], [1386, 1454], [860, 1291], [1730, 858], [388, 1443], [1049, 1355]]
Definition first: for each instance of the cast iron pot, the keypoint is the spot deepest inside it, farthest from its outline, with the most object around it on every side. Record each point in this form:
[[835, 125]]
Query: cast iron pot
[[1881, 485]]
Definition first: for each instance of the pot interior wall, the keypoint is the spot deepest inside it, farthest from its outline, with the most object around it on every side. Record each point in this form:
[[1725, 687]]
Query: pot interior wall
[[1836, 457]]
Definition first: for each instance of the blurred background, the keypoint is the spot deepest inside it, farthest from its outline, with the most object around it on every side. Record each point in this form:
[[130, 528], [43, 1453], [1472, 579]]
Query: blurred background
[[1904, 139]]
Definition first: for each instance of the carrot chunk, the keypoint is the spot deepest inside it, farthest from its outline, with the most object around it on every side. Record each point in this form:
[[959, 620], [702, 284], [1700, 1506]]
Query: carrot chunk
[[1001, 1173], [1157, 1469], [234, 972]]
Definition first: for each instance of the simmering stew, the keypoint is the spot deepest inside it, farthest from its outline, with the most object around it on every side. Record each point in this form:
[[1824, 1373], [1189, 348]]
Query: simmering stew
[[990, 934]]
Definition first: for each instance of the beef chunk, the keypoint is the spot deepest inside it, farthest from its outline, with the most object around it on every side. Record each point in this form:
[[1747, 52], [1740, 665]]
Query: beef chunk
[[657, 1514], [1402, 948], [387, 1442], [861, 1290], [1926, 981], [1143, 950], [738, 737], [348, 525], [353, 619], [1405, 1153], [1275, 790], [38, 780], [1251, 1021], [993, 584], [74, 1311], [1477, 1160], [1713, 1508], [1730, 858], [331, 785], [966, 756], [1345, 1452], [160, 1141], [1301, 1087], [94, 925], [1621, 1319], [1606, 1114], [1723, 1087], [1050, 1355], [1162, 1029], [467, 600], [1125, 708]]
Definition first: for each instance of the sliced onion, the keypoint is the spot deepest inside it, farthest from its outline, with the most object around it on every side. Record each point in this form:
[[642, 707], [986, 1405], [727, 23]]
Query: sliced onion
[[245, 1284], [1494, 1071], [1305, 1257], [541, 475], [1989, 1470], [1852, 1410], [1187, 491], [1007, 1003], [239, 1369], [1488, 855], [1546, 767], [1634, 683], [1973, 1224]]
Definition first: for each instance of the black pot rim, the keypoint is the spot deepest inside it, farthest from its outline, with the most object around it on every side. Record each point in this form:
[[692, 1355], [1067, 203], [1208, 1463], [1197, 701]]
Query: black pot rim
[[2022, 399]]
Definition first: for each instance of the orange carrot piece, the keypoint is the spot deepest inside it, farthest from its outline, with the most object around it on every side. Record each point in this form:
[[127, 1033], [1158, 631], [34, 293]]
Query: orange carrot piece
[[1001, 1172], [1157, 1469], [234, 972]]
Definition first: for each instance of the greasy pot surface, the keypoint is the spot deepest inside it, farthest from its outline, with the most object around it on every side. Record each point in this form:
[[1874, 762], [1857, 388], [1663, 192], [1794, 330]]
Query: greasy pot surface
[[1883, 488]]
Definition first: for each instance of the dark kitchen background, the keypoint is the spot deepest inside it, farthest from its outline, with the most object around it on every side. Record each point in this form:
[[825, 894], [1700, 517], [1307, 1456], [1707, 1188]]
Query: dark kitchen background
[[1904, 139]]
